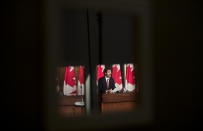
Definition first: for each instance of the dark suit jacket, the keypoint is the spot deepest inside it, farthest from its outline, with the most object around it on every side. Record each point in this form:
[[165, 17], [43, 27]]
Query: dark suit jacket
[[103, 84]]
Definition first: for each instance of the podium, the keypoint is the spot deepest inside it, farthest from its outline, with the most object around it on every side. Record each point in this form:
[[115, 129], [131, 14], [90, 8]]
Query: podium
[[118, 102]]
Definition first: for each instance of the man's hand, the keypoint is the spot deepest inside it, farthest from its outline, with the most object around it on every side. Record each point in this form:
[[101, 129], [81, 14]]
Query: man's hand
[[109, 91]]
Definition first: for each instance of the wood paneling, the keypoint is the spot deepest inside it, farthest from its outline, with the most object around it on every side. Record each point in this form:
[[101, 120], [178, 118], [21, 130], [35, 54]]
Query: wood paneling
[[60, 75], [117, 106], [70, 111], [66, 106], [68, 100]]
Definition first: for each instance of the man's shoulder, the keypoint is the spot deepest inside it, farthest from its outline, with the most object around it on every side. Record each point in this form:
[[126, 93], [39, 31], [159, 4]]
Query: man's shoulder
[[102, 78]]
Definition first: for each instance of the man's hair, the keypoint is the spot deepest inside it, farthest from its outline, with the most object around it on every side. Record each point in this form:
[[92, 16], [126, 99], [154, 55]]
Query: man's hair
[[107, 68]]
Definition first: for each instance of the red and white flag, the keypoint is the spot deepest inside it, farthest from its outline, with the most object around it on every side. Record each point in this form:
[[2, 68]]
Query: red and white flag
[[100, 70], [81, 81], [116, 75], [130, 78], [69, 82]]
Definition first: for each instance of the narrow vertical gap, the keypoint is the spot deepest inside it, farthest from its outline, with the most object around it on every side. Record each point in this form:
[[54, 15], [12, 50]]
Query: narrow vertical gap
[[94, 33], [89, 45], [93, 57], [90, 59]]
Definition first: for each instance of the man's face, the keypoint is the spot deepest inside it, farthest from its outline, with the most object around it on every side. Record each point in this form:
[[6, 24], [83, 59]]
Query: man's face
[[108, 73]]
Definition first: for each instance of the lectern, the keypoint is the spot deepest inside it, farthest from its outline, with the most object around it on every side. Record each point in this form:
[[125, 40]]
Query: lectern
[[118, 102]]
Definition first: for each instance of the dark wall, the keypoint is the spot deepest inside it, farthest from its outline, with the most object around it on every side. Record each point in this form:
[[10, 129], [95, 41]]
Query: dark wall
[[22, 54], [117, 38], [176, 40], [73, 37], [176, 34]]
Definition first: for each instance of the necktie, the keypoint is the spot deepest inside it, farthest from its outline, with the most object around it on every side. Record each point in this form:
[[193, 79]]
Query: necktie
[[107, 83]]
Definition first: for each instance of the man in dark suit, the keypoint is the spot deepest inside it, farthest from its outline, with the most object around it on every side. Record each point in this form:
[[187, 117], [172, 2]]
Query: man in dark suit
[[106, 84]]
